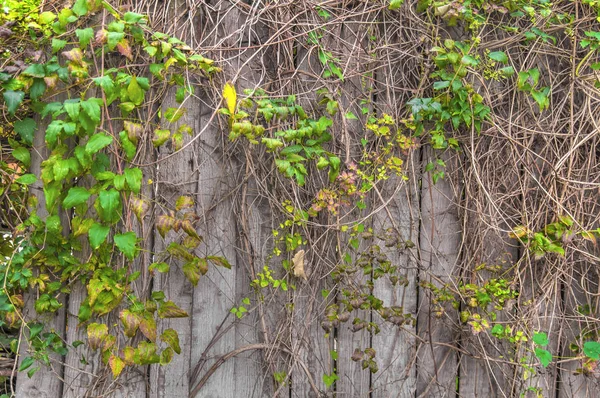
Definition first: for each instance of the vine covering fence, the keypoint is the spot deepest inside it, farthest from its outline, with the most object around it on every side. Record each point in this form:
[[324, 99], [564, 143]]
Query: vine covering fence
[[336, 198]]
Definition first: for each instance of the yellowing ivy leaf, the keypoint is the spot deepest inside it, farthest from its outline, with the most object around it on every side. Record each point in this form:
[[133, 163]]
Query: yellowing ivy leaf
[[230, 97], [96, 332], [116, 365], [169, 309]]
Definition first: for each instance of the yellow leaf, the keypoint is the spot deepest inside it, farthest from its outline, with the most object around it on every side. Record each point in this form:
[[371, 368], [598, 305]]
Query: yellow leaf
[[230, 97], [298, 262]]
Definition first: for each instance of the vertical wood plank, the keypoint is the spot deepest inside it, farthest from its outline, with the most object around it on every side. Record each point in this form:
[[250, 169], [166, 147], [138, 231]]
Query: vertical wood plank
[[175, 177], [350, 42], [396, 345], [440, 237], [487, 375], [46, 382], [576, 302]]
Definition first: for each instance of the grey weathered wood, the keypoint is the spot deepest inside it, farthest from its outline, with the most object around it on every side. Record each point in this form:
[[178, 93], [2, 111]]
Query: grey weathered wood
[[176, 177], [350, 42], [538, 300], [396, 345], [440, 237], [310, 345], [46, 382], [571, 384]]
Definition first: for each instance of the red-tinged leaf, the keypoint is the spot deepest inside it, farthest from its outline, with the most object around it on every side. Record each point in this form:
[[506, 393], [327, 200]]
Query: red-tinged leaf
[[140, 208], [128, 355], [166, 356], [134, 131], [164, 224], [169, 309], [116, 365], [124, 49], [189, 229], [145, 354], [148, 327], [176, 225], [130, 322], [51, 81], [184, 202], [96, 332], [108, 343], [171, 337], [75, 55], [101, 37], [219, 261]]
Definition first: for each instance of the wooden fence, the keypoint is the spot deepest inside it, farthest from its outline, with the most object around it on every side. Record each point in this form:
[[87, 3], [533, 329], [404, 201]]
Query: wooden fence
[[283, 346]]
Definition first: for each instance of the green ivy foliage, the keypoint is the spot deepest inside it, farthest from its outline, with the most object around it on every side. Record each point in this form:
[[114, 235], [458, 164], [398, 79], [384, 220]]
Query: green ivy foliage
[[84, 91]]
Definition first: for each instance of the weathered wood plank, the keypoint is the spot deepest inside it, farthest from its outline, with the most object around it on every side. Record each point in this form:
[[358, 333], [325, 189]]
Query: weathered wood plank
[[46, 382], [176, 177], [350, 41], [396, 345], [577, 300], [440, 237]]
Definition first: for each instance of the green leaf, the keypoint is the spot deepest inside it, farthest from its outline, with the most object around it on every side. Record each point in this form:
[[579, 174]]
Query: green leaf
[[507, 71], [92, 108], [72, 107], [13, 99], [171, 337], [128, 147], [127, 244], [27, 179], [57, 45], [26, 129], [113, 39], [134, 179], [441, 85], [544, 356], [132, 17], [85, 36], [75, 197], [540, 338], [35, 70], [135, 92], [106, 82], [174, 114], [395, 4], [22, 155], [498, 56], [80, 8], [160, 267], [26, 363], [97, 142], [328, 380], [109, 205], [97, 235], [469, 60], [591, 349], [160, 137], [350, 116]]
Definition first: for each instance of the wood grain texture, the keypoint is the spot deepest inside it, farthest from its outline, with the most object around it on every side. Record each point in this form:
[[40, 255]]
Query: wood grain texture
[[440, 237], [46, 382], [396, 345], [176, 176]]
